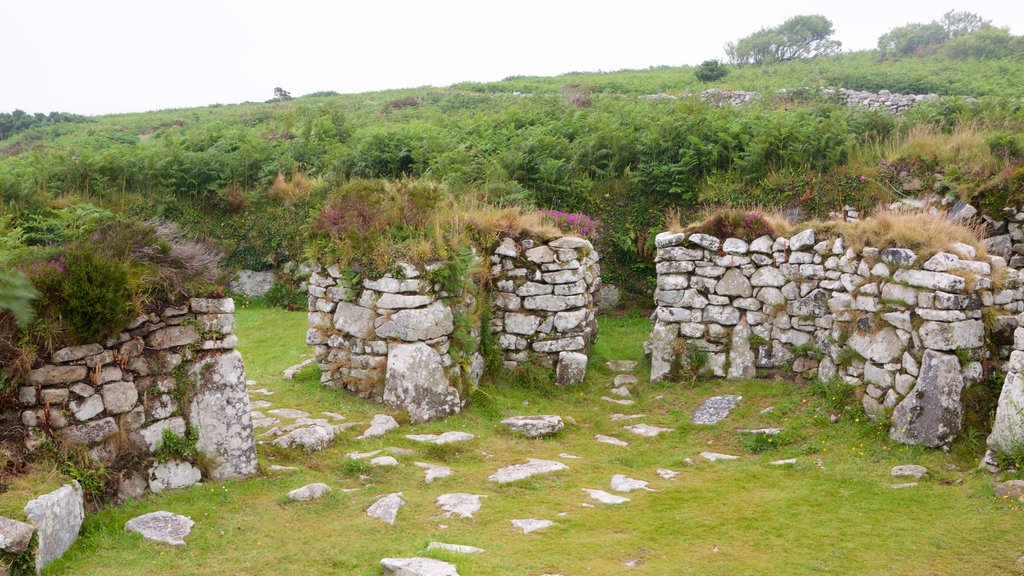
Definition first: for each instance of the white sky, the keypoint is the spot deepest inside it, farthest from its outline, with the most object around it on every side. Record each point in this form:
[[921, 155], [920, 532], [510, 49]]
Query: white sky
[[103, 56]]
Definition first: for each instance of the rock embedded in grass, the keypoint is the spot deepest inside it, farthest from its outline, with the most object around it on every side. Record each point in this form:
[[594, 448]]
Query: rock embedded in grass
[[433, 471], [621, 365], [786, 462], [1011, 489], [621, 391], [274, 468], [14, 536], [610, 440], [527, 525], [444, 438], [380, 425], [604, 497], [460, 504], [714, 456], [535, 426], [666, 473], [308, 438], [165, 527], [308, 492], [904, 485], [910, 470], [532, 467], [646, 430], [457, 548], [623, 483], [714, 409], [386, 509], [289, 413], [617, 401], [384, 461], [617, 417], [417, 567], [626, 380]]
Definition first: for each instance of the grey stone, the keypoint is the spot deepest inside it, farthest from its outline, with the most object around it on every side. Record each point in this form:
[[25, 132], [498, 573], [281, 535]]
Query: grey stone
[[931, 280], [354, 320], [768, 276], [532, 467], [953, 335], [380, 425], [172, 336], [734, 246], [882, 347], [897, 293], [646, 430], [535, 426], [418, 324], [309, 438], [212, 305], [86, 408], [623, 483], [444, 438], [398, 301], [172, 475], [571, 369], [72, 353], [1008, 429], [308, 492], [457, 548], [251, 283], [50, 375], [604, 497], [909, 470], [91, 432], [386, 509], [416, 382], [526, 324], [433, 471], [898, 256], [14, 536], [706, 241], [734, 283], [724, 315], [119, 397], [814, 305], [1011, 489], [384, 461], [459, 504], [714, 409], [165, 527], [607, 297], [417, 567], [57, 518], [527, 525], [667, 239], [802, 240], [742, 362], [571, 242], [611, 440], [931, 414], [715, 456], [289, 413]]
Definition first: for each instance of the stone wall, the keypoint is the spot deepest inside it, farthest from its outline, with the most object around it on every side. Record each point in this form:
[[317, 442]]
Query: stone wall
[[543, 303], [176, 369], [392, 339], [909, 334], [1007, 437], [883, 100]]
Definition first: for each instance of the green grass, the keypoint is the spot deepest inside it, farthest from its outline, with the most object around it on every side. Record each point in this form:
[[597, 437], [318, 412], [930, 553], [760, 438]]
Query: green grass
[[743, 517]]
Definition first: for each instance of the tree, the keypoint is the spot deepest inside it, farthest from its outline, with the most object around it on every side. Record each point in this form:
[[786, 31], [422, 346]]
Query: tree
[[804, 36], [912, 39], [986, 42], [281, 94], [710, 70], [963, 23]]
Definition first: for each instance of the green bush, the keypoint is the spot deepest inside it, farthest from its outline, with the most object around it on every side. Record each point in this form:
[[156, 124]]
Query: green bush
[[281, 295], [97, 300], [710, 70], [175, 447]]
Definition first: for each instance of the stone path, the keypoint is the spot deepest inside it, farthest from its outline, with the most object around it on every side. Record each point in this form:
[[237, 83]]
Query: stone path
[[714, 409]]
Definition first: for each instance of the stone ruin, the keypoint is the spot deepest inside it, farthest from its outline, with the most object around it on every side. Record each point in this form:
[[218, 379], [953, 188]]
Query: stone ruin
[[543, 303], [909, 333], [883, 100], [176, 369], [399, 339]]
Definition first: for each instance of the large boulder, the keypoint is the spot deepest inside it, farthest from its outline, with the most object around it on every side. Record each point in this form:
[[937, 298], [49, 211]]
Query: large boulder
[[417, 383], [251, 283], [932, 413], [57, 518], [221, 414]]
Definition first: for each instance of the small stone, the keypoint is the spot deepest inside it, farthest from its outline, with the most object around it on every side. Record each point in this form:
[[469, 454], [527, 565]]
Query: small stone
[[786, 462], [623, 483], [535, 426], [172, 475], [617, 401], [604, 497], [527, 525], [433, 471], [457, 548], [460, 504], [275, 469], [417, 567], [288, 413], [626, 380], [904, 485], [910, 470], [714, 409], [384, 461], [1011, 489], [621, 365], [646, 430], [666, 473], [386, 509], [165, 527], [610, 440], [444, 438], [532, 467], [14, 536], [309, 492], [380, 425], [714, 456]]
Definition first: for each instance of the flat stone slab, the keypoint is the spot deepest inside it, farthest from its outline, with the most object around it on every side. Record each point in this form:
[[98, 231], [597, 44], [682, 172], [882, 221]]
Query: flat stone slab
[[57, 518], [621, 365], [910, 470], [460, 504], [362, 455], [417, 567], [1011, 489], [714, 456], [904, 485], [786, 462], [384, 461], [260, 391], [604, 497], [445, 438], [433, 471], [610, 440], [308, 438], [626, 380], [259, 404], [386, 508], [714, 409], [646, 430], [621, 391], [618, 417], [308, 492], [568, 456], [333, 415], [165, 527], [457, 548], [666, 473], [275, 469], [288, 413], [535, 426], [380, 425], [618, 401], [532, 467], [527, 525], [623, 483]]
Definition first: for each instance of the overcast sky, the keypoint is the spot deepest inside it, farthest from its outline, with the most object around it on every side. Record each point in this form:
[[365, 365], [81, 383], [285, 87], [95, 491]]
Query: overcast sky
[[104, 56]]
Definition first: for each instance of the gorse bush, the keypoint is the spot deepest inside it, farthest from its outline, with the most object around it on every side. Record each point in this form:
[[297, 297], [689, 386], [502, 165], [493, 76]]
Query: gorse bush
[[710, 70], [96, 300]]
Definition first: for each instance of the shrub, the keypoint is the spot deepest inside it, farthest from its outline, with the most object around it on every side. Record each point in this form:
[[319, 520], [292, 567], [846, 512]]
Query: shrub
[[745, 225], [175, 447], [579, 223], [710, 70], [836, 394], [97, 301], [281, 295], [577, 96]]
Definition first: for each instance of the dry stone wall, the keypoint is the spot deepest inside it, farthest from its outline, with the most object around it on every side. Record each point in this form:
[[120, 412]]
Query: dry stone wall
[[176, 369], [391, 339], [911, 334], [1007, 437], [883, 100], [543, 303]]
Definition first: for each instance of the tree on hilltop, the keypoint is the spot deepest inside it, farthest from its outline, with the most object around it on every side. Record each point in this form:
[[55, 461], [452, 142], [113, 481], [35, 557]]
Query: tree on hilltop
[[804, 36]]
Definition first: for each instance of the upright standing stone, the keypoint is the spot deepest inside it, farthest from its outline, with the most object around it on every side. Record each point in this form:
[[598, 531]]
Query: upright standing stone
[[57, 517], [221, 414], [932, 413], [416, 382]]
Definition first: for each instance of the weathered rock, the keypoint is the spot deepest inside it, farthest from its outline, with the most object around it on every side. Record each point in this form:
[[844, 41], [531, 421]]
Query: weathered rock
[[308, 492], [289, 413], [309, 438], [742, 362], [534, 426], [91, 432], [433, 471], [604, 497], [460, 504], [666, 473], [882, 347], [714, 409], [354, 320], [443, 438], [1008, 429], [172, 475], [172, 336], [607, 297], [931, 280], [72, 353], [532, 467], [768, 276], [734, 283], [814, 305], [220, 412], [802, 240], [417, 567], [646, 430], [571, 369], [165, 527], [932, 413], [623, 483], [715, 456], [57, 518], [527, 525], [50, 375], [603, 439], [380, 425], [457, 548], [910, 470], [152, 436], [386, 509], [1011, 489], [14, 536], [416, 382], [953, 335]]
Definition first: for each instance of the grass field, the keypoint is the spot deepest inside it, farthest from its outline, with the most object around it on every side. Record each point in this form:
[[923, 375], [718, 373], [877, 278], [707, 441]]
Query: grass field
[[833, 512]]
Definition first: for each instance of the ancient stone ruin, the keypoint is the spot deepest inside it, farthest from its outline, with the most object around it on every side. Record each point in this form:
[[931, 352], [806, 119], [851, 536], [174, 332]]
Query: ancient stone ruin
[[402, 340], [909, 333]]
